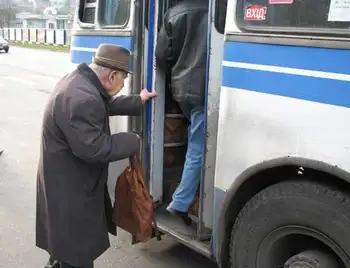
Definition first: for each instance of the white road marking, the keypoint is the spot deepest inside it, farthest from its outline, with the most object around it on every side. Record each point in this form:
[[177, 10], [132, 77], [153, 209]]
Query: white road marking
[[23, 81]]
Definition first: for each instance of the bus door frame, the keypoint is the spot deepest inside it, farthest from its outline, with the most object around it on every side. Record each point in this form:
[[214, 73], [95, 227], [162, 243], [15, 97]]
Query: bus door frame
[[137, 79], [154, 110], [207, 210]]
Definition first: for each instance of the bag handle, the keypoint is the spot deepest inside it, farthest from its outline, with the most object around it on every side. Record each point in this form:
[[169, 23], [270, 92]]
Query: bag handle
[[135, 161]]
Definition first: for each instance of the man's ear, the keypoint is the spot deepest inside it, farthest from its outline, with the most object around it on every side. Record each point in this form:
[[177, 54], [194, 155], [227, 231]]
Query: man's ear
[[111, 76]]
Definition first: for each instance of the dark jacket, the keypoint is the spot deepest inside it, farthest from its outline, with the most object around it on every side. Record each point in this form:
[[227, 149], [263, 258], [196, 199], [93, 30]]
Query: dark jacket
[[182, 47], [74, 210]]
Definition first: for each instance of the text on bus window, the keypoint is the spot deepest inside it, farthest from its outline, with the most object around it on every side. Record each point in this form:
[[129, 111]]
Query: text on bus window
[[314, 14]]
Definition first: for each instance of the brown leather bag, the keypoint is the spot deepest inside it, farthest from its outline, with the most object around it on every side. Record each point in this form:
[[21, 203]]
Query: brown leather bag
[[133, 206]]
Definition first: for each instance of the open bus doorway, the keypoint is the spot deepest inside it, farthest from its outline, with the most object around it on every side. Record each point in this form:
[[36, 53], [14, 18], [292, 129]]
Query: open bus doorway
[[174, 134]]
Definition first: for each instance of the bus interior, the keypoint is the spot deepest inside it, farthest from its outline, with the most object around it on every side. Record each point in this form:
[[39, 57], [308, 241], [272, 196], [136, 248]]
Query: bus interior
[[174, 131]]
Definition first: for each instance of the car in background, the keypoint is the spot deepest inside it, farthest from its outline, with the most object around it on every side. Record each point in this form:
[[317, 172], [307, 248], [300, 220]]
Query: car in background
[[4, 45]]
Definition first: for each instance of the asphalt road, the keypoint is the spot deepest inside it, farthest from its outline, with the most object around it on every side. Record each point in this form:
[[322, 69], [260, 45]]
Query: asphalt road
[[26, 79]]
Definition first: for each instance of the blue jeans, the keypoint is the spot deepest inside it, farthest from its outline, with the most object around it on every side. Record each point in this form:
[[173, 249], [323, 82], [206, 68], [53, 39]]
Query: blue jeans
[[191, 175]]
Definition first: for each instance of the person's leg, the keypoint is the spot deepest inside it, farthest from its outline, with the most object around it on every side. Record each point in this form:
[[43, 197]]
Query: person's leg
[[185, 192], [1, 151]]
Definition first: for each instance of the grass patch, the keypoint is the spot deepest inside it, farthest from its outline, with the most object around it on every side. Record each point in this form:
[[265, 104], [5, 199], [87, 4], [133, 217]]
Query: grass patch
[[40, 46]]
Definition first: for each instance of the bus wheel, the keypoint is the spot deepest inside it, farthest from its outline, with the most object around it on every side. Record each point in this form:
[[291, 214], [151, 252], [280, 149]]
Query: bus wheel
[[293, 224]]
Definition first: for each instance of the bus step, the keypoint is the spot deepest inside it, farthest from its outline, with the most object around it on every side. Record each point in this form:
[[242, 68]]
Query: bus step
[[174, 227]]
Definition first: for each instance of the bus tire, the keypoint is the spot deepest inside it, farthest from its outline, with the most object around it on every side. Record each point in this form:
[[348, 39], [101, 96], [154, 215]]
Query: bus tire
[[288, 218]]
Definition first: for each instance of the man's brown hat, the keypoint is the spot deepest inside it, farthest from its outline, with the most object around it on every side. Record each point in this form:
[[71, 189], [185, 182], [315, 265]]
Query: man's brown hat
[[112, 56]]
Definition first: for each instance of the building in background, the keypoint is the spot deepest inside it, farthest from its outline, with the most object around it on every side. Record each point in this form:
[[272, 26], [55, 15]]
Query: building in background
[[48, 14]]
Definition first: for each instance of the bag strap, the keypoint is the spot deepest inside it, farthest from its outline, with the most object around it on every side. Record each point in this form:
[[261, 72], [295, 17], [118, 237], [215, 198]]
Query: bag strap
[[135, 161]]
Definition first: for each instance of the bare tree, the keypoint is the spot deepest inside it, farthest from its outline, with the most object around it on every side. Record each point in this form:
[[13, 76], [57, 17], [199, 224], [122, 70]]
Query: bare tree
[[8, 12]]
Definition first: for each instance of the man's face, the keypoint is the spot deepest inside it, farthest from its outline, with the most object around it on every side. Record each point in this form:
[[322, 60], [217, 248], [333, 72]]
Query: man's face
[[114, 82]]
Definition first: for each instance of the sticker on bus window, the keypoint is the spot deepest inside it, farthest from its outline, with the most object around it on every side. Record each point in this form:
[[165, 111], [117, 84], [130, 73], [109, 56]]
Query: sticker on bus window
[[255, 12], [339, 10], [281, 2]]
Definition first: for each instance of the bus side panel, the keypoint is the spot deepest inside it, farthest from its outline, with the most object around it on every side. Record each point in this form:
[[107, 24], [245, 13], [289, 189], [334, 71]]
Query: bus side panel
[[278, 101], [219, 197], [83, 48]]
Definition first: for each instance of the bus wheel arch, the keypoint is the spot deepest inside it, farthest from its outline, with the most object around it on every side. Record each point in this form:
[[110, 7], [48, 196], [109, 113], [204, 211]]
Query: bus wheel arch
[[261, 176]]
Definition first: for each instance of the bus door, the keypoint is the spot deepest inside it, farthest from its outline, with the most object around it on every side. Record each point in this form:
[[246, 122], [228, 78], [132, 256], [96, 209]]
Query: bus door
[[166, 145], [115, 22]]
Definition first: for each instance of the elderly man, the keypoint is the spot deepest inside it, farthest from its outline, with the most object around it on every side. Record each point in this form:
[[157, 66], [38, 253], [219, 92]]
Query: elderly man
[[73, 215]]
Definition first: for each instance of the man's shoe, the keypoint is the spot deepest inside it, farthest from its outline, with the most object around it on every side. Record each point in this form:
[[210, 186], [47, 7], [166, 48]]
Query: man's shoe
[[182, 215]]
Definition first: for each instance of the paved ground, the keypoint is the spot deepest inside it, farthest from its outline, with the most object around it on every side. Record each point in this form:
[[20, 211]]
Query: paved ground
[[26, 78]]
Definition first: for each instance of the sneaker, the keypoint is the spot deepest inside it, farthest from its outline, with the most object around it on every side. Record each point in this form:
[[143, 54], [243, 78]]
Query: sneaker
[[182, 215]]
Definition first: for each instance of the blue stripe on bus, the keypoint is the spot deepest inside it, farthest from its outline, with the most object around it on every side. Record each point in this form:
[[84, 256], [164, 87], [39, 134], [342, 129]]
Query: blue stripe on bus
[[92, 41], [78, 56], [318, 59], [323, 90], [81, 56]]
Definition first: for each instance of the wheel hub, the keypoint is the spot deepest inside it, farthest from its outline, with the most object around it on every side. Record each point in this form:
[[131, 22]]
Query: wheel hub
[[301, 265], [312, 259], [309, 263]]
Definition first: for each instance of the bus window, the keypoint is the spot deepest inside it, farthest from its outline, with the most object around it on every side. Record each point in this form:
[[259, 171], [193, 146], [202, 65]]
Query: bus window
[[87, 9], [114, 12], [305, 15]]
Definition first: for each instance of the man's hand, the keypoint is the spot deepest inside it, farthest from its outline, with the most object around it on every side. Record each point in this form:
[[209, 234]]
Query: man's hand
[[146, 95]]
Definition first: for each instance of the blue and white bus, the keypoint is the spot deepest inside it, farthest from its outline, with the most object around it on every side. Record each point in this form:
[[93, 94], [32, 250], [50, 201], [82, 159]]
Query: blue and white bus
[[275, 190]]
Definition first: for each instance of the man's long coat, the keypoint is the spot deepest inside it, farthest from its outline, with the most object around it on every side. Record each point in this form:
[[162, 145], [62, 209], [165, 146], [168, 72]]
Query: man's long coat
[[73, 215]]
